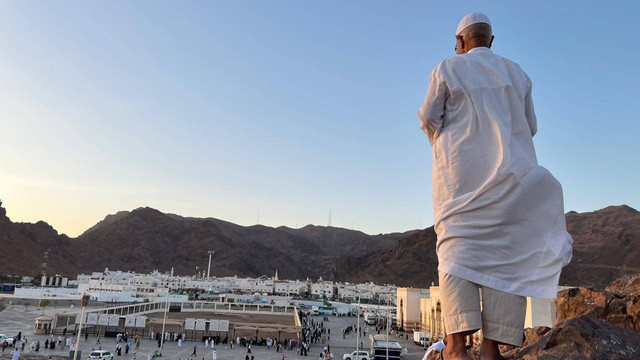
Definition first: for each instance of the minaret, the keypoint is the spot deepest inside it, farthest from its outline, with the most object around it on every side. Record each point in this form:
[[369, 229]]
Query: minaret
[[276, 278]]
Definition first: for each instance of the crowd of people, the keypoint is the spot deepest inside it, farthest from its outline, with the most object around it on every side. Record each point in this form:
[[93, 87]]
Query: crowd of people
[[313, 332]]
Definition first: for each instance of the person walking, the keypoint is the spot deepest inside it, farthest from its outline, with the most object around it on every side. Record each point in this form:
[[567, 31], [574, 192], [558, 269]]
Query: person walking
[[194, 351], [15, 354], [499, 216]]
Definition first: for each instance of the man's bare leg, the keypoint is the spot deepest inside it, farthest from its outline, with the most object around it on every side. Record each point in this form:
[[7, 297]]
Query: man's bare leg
[[456, 348], [489, 349]]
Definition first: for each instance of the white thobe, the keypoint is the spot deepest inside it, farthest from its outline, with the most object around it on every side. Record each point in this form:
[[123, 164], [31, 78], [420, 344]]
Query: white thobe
[[499, 216]]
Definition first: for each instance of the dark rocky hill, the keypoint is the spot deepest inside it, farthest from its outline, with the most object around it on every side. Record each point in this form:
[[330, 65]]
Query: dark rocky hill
[[23, 247], [606, 246], [412, 261], [146, 239]]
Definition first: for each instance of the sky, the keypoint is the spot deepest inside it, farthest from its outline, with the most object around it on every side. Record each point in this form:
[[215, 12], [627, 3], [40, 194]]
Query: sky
[[285, 111]]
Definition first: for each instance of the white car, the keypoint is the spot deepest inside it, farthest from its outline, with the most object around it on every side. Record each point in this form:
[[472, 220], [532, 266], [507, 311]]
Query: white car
[[100, 355], [4, 337], [361, 355]]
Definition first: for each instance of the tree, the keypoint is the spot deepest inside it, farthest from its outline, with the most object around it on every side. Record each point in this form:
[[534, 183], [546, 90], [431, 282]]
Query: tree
[[44, 303]]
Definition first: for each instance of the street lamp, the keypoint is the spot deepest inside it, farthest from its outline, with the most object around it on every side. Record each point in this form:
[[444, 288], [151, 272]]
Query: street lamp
[[84, 302], [164, 318], [358, 330], [388, 320]]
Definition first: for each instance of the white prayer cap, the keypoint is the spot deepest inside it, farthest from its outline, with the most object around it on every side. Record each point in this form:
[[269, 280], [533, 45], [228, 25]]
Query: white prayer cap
[[471, 19]]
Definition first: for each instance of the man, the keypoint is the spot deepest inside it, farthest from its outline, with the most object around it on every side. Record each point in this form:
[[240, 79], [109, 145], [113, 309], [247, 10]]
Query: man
[[499, 216], [15, 354]]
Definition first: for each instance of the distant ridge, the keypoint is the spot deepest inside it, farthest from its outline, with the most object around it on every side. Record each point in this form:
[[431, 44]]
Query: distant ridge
[[145, 239], [606, 246]]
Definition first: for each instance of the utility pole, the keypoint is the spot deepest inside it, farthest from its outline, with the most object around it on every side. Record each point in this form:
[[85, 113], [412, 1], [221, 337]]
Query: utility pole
[[84, 301], [164, 319], [388, 316], [211, 252], [358, 332]]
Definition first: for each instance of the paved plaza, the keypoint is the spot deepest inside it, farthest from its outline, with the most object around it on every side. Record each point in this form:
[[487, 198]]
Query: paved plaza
[[18, 318]]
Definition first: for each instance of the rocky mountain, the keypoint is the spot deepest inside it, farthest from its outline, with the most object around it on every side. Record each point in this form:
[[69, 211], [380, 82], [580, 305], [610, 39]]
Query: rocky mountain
[[412, 261], [23, 247], [606, 246], [340, 242], [146, 239]]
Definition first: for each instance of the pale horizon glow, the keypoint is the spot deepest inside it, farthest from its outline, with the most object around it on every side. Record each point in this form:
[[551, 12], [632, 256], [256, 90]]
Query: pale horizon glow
[[290, 109]]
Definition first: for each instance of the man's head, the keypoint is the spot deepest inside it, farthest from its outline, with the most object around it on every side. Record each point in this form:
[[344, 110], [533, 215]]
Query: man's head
[[474, 30]]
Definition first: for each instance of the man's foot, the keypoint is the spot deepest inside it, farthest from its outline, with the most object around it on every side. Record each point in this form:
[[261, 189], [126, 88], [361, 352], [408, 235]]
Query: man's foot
[[449, 354], [489, 350]]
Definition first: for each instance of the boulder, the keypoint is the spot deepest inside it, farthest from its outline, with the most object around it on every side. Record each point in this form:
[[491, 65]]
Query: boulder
[[619, 304], [625, 286], [531, 335], [582, 338], [579, 301], [633, 310]]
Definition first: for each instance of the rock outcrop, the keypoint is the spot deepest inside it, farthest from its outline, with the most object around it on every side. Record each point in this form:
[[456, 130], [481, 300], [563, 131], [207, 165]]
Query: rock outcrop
[[619, 304], [590, 325], [581, 338]]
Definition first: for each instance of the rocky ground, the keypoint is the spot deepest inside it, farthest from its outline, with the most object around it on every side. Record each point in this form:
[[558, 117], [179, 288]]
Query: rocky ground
[[590, 325]]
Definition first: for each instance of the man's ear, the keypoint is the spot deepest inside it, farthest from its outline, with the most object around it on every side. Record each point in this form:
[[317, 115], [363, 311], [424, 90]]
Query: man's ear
[[491, 42], [460, 42]]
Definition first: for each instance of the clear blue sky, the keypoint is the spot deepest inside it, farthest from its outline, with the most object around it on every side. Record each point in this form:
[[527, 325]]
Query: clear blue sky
[[289, 108]]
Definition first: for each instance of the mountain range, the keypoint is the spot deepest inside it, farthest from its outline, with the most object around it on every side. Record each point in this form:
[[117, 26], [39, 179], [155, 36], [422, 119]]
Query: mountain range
[[606, 246]]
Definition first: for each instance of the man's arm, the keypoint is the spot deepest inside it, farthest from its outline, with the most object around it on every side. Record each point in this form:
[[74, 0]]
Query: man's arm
[[432, 111], [529, 112]]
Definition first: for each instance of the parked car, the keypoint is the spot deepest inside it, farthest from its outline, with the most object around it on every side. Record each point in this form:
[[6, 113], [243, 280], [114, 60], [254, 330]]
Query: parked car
[[364, 355], [100, 355], [4, 337]]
